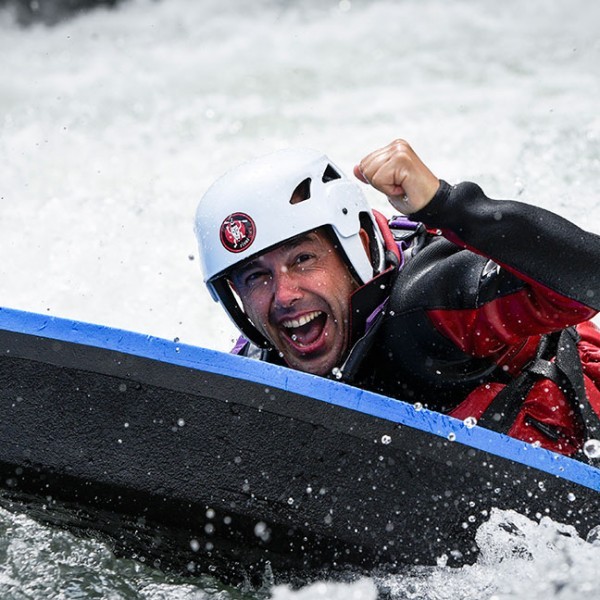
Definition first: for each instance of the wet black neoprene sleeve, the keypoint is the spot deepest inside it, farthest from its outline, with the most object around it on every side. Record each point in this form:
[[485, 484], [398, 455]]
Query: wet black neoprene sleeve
[[533, 241]]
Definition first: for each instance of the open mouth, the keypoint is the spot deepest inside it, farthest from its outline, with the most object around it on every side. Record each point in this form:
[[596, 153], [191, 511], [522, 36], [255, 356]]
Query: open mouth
[[304, 331]]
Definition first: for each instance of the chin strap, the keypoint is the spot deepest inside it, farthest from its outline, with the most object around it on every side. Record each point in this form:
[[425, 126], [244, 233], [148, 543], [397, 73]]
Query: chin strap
[[239, 317]]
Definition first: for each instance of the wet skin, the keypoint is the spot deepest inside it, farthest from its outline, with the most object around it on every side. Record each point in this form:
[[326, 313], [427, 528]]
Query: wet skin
[[298, 297]]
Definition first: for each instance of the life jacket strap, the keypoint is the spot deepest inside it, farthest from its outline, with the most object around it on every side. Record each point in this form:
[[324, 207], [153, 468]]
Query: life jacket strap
[[565, 371]]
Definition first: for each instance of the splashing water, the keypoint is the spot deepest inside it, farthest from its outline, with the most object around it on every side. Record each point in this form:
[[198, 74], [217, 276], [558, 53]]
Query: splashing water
[[112, 125]]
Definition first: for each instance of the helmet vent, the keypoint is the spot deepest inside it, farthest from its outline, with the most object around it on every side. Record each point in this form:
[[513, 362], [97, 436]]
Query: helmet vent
[[302, 192], [330, 174]]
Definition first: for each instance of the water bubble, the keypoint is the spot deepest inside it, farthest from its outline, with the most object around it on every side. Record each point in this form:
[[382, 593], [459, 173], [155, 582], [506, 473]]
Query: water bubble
[[571, 497], [470, 422], [418, 406], [180, 422], [591, 448], [210, 513], [451, 436], [593, 536], [336, 372], [290, 501], [386, 439], [195, 545], [442, 560], [262, 531]]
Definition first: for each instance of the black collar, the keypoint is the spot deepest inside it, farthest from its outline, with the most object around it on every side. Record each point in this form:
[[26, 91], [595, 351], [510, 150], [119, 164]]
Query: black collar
[[367, 298]]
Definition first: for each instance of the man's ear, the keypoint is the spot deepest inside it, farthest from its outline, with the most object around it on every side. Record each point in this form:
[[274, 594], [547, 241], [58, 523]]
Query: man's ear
[[366, 242]]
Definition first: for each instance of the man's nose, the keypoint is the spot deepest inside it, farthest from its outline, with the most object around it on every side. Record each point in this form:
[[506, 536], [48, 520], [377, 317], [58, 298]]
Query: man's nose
[[286, 289]]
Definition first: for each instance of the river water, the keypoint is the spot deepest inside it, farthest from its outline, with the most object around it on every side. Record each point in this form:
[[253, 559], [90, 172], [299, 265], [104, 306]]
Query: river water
[[113, 123]]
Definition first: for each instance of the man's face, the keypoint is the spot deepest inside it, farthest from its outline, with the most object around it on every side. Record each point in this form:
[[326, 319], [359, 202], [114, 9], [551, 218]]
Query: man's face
[[298, 297]]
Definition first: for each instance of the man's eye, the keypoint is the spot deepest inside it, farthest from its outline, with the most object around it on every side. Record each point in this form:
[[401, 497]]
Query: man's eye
[[253, 278], [303, 258]]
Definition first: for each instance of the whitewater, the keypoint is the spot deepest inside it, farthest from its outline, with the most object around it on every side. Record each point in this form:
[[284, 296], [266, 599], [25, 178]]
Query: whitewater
[[113, 123]]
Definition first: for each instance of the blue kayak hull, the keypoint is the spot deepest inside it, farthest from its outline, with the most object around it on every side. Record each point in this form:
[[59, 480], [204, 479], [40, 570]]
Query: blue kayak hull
[[194, 459]]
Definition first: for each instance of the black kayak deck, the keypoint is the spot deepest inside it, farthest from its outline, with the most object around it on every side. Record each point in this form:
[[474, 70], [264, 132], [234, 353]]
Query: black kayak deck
[[197, 459]]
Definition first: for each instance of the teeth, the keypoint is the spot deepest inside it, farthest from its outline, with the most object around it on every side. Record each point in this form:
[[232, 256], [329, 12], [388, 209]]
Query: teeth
[[303, 320]]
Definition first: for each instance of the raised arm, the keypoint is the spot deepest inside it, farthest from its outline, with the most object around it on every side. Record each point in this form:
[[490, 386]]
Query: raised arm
[[538, 246]]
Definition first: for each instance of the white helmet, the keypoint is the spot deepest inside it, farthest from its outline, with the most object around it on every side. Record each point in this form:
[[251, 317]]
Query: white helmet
[[249, 211]]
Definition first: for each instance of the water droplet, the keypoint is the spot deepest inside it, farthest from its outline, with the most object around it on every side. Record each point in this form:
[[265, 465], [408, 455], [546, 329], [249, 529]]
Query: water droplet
[[593, 536], [290, 501], [591, 448], [344, 5], [451, 436], [262, 531], [571, 497], [418, 406], [470, 422], [386, 439], [180, 422], [336, 372], [195, 545]]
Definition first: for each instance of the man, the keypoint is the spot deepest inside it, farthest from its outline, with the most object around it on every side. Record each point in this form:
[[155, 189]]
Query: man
[[469, 307]]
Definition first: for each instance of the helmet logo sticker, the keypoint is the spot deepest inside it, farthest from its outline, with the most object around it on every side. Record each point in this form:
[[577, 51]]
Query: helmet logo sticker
[[237, 232]]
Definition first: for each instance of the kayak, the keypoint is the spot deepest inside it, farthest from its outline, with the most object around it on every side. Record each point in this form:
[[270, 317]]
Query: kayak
[[200, 461]]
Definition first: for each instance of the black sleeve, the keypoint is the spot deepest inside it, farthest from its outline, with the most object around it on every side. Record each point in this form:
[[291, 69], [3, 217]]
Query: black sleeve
[[533, 242]]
